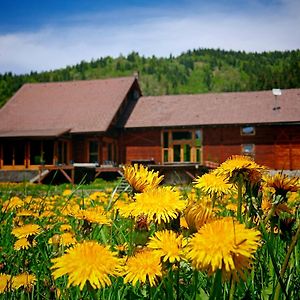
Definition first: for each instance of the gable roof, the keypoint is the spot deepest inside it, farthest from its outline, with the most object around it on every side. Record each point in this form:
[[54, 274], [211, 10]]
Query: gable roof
[[49, 109], [216, 109]]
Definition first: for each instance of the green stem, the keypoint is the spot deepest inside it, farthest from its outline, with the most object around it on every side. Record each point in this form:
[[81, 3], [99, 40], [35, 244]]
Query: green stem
[[270, 214], [240, 198], [274, 262], [232, 289], [91, 291], [177, 280], [216, 288], [195, 283], [286, 261]]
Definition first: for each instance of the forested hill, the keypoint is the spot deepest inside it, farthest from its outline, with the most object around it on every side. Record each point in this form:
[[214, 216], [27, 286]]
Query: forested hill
[[196, 71]]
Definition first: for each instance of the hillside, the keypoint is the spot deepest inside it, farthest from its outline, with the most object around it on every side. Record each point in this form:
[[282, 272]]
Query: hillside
[[195, 71]]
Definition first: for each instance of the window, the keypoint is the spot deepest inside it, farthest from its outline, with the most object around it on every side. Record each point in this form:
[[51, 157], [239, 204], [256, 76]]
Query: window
[[36, 152], [165, 146], [182, 145], [176, 152], [198, 155], [248, 149], [62, 152], [248, 130], [93, 151], [181, 135], [8, 151], [166, 155], [166, 139], [48, 147], [186, 152], [198, 138]]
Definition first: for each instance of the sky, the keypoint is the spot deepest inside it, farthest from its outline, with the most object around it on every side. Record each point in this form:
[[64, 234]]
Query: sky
[[45, 35]]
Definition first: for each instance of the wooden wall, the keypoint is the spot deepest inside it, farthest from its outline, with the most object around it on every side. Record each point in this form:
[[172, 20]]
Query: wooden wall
[[277, 147], [140, 145]]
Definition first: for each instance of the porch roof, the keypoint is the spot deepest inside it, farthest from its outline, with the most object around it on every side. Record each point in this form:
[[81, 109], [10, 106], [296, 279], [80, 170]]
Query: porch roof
[[34, 133]]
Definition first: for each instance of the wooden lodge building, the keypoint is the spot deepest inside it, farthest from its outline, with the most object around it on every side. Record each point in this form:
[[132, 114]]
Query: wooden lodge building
[[59, 125]]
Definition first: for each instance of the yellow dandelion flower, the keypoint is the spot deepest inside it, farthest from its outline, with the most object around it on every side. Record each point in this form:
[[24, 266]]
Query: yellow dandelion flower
[[5, 282], [12, 203], [24, 244], [66, 239], [88, 261], [183, 223], [122, 250], [67, 192], [65, 227], [240, 165], [26, 230], [233, 207], [282, 183], [143, 267], [198, 214], [224, 245], [122, 247], [141, 179], [23, 280], [266, 206], [213, 185], [93, 216], [160, 205], [28, 199], [47, 214], [168, 244], [98, 196], [26, 213]]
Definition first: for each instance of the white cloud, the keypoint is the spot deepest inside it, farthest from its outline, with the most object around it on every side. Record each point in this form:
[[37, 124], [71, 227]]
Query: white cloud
[[158, 33]]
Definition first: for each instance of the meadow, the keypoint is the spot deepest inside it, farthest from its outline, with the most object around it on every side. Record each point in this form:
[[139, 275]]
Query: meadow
[[232, 234]]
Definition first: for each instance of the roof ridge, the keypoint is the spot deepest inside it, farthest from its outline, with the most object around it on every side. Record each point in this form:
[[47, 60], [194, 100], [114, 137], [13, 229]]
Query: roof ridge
[[79, 81], [216, 93]]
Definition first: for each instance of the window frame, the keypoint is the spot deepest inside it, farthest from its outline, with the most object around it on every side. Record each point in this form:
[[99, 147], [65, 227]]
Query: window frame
[[195, 144], [250, 153], [245, 133]]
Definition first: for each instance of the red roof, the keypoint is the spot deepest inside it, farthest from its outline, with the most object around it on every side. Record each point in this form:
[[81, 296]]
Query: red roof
[[216, 109], [57, 107]]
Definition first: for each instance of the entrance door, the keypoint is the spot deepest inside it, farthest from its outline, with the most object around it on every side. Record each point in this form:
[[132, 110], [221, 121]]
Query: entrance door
[[182, 145], [181, 152], [177, 153]]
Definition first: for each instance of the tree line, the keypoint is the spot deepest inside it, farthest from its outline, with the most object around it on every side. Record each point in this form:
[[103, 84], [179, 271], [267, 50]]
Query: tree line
[[194, 71]]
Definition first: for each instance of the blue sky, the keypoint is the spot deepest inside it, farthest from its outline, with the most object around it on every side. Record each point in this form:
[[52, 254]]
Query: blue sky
[[43, 35]]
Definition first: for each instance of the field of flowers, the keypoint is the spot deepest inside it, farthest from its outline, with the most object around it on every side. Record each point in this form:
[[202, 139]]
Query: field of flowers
[[233, 234]]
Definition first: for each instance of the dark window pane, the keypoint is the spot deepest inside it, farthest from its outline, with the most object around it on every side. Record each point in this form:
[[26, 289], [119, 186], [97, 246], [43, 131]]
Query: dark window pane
[[176, 149], [93, 155], [187, 152], [166, 155], [109, 151], [166, 139], [19, 152], [35, 152], [182, 135], [198, 138], [48, 147], [7, 154], [198, 155], [62, 152]]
